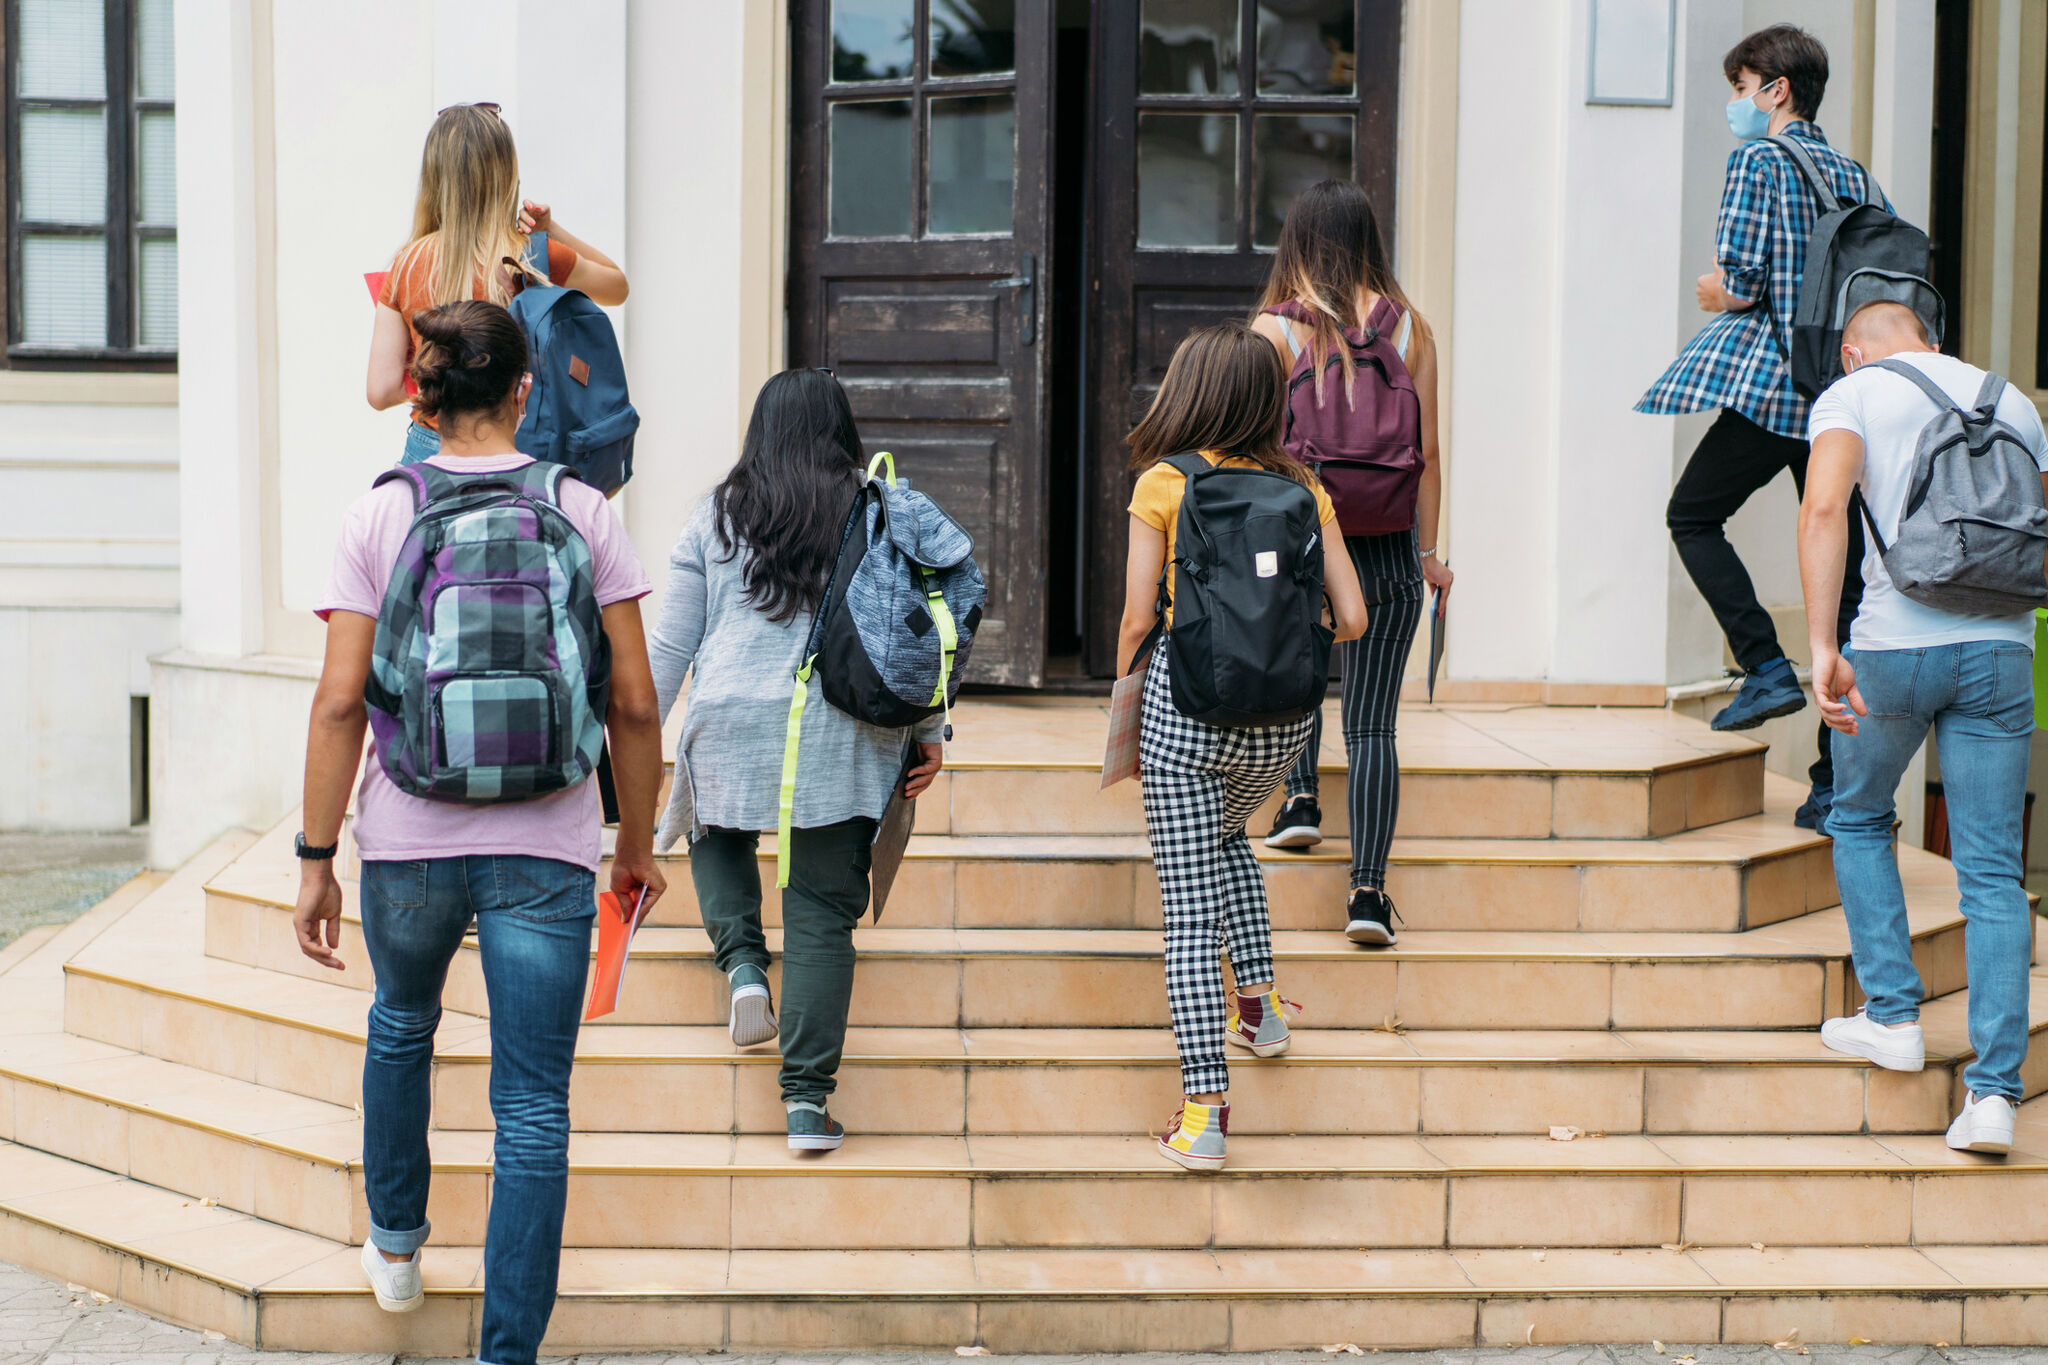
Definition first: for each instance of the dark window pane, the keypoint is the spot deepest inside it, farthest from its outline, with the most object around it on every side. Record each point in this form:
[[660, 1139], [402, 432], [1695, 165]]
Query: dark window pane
[[870, 169], [1187, 179], [1290, 152], [1308, 47], [871, 40], [974, 38], [1188, 47], [973, 162]]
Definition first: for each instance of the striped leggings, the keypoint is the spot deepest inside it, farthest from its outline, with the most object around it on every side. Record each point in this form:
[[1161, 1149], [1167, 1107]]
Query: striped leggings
[[1391, 575]]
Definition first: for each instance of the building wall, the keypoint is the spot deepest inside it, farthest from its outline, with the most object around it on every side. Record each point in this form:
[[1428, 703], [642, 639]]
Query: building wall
[[88, 586]]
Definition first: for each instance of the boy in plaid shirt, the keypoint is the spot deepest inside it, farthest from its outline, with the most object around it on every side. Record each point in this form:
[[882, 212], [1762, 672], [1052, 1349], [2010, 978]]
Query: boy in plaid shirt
[[1738, 363]]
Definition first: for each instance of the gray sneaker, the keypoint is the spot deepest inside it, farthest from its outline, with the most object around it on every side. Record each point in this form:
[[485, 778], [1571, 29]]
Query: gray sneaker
[[1259, 1022], [811, 1129], [752, 1021]]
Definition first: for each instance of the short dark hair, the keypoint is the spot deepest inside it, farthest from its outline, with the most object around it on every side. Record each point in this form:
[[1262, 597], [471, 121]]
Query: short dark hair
[[1787, 51], [471, 356]]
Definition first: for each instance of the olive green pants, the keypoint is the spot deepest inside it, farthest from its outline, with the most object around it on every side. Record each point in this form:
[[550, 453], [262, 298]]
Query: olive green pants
[[826, 896]]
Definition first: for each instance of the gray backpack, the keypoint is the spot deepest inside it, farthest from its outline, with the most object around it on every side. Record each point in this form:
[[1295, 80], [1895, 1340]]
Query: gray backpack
[[1973, 531]]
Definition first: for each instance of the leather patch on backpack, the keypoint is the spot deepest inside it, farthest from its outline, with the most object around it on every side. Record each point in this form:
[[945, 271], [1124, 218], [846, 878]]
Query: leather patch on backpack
[[579, 370]]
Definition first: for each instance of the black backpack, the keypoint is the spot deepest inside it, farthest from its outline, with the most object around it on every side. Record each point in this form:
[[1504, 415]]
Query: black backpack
[[1859, 253], [1248, 644]]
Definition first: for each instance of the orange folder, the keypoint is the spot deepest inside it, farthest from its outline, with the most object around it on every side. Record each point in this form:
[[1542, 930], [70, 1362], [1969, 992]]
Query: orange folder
[[375, 279], [615, 930]]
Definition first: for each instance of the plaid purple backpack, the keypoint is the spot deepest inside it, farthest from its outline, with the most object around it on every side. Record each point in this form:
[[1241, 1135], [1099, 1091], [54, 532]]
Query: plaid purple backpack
[[490, 674]]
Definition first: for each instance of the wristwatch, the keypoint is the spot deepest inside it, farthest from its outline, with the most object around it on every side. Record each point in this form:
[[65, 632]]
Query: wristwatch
[[310, 853]]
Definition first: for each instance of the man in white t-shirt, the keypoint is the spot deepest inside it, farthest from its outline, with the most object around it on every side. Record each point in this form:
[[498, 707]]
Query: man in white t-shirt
[[1910, 668]]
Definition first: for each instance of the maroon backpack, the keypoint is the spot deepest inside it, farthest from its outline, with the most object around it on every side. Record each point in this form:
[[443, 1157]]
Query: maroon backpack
[[1368, 453]]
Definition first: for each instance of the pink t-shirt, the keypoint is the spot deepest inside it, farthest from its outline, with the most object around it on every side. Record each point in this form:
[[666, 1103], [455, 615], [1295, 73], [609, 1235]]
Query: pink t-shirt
[[391, 826]]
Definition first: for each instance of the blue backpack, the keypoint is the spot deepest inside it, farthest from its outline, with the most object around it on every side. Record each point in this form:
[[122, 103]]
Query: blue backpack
[[578, 413]]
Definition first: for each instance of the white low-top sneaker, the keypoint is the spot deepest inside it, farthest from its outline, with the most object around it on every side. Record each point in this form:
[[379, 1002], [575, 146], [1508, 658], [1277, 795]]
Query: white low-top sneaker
[[1895, 1049], [395, 1283], [1984, 1126]]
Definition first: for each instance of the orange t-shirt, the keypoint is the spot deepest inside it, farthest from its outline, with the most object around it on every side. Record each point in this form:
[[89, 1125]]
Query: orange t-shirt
[[1156, 502], [409, 288]]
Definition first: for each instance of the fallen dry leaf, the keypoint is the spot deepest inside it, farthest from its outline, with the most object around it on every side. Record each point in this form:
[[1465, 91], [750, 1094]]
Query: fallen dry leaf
[[1859, 1341], [1342, 1348], [1756, 1246], [214, 1336], [1563, 1132], [209, 1203], [1529, 1337], [1941, 1345], [1790, 1343], [98, 1297], [1391, 1024], [1679, 1248], [1658, 1344], [970, 1350]]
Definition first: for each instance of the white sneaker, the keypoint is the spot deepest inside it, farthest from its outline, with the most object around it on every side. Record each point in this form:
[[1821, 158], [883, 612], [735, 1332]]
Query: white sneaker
[[1984, 1125], [395, 1283], [1903, 1048]]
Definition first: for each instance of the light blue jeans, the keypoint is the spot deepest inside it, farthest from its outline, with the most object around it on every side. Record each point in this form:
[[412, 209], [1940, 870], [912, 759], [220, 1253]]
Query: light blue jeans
[[421, 443], [533, 919], [1979, 700]]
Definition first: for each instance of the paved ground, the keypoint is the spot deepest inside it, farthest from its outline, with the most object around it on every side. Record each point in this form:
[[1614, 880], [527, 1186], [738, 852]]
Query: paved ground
[[43, 1322], [55, 878]]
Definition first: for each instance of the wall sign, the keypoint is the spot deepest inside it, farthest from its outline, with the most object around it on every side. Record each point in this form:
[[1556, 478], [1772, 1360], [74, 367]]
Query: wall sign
[[1630, 51]]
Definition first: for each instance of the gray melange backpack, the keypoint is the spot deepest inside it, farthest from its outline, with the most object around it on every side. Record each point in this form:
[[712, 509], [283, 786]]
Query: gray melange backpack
[[1973, 530]]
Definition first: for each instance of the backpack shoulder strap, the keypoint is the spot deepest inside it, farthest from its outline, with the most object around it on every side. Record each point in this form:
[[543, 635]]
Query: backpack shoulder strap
[[1188, 463], [1927, 386], [1989, 393], [1407, 326], [428, 482], [1284, 314], [1807, 167]]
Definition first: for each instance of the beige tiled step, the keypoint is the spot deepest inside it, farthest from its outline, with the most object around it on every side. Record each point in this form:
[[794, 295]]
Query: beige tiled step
[[306, 1037], [264, 1284], [1742, 874], [297, 1162], [1791, 974], [1503, 772]]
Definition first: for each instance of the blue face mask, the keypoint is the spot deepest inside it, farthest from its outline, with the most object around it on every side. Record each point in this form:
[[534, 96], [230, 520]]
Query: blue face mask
[[1747, 121]]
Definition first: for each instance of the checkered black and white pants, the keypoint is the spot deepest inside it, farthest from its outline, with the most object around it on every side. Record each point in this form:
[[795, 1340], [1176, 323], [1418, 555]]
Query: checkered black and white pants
[[1202, 782]]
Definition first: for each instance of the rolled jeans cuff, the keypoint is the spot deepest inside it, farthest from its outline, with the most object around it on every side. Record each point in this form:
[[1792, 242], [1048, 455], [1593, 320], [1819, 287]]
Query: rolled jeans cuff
[[400, 1243]]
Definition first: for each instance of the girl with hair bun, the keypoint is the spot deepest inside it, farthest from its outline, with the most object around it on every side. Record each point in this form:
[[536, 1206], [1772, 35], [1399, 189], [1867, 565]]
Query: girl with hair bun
[[516, 865], [470, 240]]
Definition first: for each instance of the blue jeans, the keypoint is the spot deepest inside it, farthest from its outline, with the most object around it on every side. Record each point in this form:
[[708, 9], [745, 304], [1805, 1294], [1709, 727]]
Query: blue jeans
[[533, 918], [421, 443], [1979, 700]]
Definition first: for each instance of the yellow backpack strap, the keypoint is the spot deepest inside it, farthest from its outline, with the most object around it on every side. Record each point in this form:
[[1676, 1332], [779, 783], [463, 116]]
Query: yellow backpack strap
[[949, 645], [786, 808], [883, 459]]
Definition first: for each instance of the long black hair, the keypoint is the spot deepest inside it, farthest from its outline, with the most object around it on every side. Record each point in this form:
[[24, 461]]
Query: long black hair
[[786, 501]]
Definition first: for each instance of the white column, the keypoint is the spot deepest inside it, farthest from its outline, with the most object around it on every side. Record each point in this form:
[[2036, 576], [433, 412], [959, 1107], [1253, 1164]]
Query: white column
[[219, 503], [1902, 106]]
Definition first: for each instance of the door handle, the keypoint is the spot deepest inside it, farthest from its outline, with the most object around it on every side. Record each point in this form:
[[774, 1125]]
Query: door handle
[[1026, 279]]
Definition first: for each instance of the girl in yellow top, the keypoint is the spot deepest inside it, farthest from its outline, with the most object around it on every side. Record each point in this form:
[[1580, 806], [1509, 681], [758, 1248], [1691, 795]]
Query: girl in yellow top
[[1224, 396]]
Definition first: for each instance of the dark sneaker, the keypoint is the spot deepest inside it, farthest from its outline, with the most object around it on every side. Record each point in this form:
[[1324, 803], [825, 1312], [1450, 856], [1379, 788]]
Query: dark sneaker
[[1766, 694], [1299, 824], [1371, 918], [1813, 814], [811, 1129], [752, 1020]]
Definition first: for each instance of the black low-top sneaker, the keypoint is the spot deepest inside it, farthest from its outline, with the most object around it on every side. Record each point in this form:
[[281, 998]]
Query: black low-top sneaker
[[1299, 824], [1371, 918]]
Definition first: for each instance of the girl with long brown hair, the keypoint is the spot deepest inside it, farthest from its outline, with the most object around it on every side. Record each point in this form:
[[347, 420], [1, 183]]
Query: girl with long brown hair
[[470, 240], [1362, 408], [1223, 398]]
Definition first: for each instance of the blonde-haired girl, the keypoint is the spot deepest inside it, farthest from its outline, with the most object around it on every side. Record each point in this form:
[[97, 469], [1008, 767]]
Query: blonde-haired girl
[[469, 228]]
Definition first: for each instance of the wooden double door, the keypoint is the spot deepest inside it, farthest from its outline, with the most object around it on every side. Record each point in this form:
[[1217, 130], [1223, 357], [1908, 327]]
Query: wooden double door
[[1004, 216]]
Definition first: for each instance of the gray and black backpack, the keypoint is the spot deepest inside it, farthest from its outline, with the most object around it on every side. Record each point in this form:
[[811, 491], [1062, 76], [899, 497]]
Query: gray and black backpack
[[1973, 530]]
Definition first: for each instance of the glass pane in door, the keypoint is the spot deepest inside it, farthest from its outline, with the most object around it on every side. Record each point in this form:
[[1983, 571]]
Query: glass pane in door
[[64, 165], [1290, 152], [60, 49], [63, 291], [872, 40], [1187, 179], [1308, 47], [973, 37], [870, 169], [973, 152], [1188, 47], [156, 76]]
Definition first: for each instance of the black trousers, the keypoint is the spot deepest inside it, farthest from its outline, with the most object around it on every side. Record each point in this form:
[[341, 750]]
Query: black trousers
[[1732, 461]]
